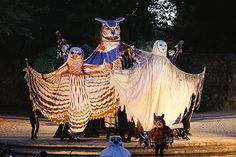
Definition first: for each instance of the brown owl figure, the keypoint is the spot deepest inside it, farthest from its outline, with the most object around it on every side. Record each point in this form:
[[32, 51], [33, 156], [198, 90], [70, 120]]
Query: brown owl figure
[[110, 48], [110, 30]]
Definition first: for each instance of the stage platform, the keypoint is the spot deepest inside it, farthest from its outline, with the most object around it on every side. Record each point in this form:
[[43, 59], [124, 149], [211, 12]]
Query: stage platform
[[214, 134]]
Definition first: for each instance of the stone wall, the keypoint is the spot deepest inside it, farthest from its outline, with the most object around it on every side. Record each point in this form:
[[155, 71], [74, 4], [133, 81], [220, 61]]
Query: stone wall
[[231, 96], [219, 91]]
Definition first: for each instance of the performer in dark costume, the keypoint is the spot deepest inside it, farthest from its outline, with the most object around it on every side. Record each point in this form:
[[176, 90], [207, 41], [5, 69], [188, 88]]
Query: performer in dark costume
[[187, 118], [131, 130], [126, 127], [174, 53], [62, 131], [91, 129], [62, 50], [34, 121], [127, 59], [122, 124]]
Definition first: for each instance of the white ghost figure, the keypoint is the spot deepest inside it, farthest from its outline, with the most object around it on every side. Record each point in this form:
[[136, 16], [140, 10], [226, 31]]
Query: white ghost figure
[[160, 48], [115, 148]]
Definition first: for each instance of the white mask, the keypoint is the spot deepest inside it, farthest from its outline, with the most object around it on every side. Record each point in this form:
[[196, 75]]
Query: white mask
[[160, 48]]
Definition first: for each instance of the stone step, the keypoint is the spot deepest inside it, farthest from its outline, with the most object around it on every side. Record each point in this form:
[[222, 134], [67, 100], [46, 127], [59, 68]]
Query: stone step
[[223, 151], [88, 142], [180, 149]]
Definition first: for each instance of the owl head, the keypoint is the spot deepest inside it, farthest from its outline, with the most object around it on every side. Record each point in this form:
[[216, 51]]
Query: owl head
[[76, 52], [110, 30], [160, 48]]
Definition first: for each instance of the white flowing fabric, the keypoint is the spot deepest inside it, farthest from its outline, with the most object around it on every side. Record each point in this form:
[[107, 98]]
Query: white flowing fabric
[[155, 85]]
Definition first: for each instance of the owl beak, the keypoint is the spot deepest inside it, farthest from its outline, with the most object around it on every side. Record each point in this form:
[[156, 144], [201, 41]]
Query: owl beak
[[113, 31], [74, 56]]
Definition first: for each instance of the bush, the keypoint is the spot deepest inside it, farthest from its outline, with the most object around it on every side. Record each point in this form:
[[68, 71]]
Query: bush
[[88, 50], [46, 60], [145, 45]]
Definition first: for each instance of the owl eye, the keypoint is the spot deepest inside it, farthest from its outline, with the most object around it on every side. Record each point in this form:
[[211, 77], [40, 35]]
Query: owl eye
[[116, 28], [160, 44], [106, 28]]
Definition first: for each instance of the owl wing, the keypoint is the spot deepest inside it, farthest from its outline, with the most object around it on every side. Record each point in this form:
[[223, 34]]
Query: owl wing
[[49, 92], [101, 93]]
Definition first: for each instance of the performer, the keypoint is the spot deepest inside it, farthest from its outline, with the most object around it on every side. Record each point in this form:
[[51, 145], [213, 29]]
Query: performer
[[131, 130], [161, 135], [110, 122], [120, 55], [34, 121], [187, 118], [62, 131], [115, 148], [91, 129], [125, 127], [62, 50], [173, 54]]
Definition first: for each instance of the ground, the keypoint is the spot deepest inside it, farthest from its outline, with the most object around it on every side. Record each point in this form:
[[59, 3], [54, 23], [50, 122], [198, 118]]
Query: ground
[[207, 127]]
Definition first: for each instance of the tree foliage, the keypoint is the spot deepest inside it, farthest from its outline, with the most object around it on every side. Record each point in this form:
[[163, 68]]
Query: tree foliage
[[15, 18], [27, 27]]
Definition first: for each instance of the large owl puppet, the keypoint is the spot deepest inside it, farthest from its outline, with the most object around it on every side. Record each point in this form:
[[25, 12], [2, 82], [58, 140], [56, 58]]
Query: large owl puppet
[[110, 48]]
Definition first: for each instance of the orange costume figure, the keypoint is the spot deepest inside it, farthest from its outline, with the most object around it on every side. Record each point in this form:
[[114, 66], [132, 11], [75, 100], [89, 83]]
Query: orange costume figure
[[161, 135]]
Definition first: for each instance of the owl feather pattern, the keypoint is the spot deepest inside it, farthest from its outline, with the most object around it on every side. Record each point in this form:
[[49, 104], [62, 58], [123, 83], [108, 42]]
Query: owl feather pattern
[[69, 94]]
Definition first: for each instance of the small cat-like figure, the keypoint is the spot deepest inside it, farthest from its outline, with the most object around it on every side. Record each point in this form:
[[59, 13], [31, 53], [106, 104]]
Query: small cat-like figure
[[161, 135]]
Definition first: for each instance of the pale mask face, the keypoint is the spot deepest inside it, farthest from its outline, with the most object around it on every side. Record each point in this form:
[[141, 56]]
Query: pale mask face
[[160, 48]]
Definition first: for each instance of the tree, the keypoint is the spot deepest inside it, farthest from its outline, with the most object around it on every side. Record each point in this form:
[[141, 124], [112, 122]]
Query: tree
[[15, 18]]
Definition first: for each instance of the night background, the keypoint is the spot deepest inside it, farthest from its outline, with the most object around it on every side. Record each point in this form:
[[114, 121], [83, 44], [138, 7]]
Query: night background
[[27, 30]]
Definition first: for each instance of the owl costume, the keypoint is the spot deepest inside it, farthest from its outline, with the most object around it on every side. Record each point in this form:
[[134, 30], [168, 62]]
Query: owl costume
[[78, 91], [110, 47], [74, 93], [111, 50]]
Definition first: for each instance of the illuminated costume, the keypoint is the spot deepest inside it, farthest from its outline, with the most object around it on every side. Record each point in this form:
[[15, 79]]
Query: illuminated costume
[[78, 92]]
